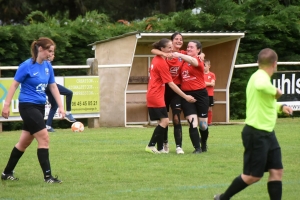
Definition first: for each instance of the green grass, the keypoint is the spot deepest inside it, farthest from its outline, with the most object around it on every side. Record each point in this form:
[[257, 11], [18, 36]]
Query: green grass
[[110, 163]]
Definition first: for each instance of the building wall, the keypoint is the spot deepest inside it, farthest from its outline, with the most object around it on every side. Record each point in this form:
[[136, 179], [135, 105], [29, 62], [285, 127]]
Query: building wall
[[114, 79]]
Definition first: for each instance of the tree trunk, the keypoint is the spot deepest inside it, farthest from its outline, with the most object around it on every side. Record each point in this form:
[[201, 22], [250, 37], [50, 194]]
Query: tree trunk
[[167, 6]]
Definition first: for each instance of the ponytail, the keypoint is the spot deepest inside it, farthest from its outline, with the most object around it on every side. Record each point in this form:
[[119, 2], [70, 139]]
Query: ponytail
[[43, 42], [34, 51]]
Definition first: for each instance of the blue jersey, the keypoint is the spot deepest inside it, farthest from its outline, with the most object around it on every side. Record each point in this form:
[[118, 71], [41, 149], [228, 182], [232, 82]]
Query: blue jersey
[[34, 79]]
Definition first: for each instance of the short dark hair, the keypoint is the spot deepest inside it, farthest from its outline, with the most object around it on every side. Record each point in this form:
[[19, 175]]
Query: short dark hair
[[161, 43], [267, 57]]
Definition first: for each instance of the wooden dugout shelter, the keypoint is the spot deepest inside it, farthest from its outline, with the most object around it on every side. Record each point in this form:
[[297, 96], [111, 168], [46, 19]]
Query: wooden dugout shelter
[[123, 63]]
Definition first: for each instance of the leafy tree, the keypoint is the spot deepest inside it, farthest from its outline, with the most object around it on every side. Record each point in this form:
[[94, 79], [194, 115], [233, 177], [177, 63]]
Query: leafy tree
[[274, 24]]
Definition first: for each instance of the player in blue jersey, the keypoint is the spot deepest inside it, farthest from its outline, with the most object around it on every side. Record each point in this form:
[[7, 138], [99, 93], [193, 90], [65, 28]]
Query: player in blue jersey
[[33, 75]]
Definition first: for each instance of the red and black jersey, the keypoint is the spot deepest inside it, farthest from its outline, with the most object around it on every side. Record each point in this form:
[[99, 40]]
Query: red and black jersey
[[174, 66], [159, 75], [192, 78]]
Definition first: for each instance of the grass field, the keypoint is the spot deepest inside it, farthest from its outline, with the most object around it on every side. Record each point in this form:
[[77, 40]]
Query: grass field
[[110, 163]]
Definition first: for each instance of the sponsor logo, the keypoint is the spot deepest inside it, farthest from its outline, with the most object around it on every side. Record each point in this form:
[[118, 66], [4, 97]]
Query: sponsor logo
[[41, 88], [185, 74], [174, 71]]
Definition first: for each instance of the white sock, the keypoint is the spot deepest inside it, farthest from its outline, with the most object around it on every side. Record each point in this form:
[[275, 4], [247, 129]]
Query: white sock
[[48, 127], [68, 112]]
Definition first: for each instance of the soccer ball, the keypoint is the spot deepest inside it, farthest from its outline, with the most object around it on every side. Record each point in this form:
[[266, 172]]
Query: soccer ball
[[77, 127]]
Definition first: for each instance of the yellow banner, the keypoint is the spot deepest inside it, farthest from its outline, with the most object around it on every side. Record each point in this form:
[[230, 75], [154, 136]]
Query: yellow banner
[[85, 95]]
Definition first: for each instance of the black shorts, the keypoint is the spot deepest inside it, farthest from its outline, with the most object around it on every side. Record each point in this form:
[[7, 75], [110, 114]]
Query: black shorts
[[210, 101], [33, 117], [172, 99], [200, 107], [157, 113], [262, 151]]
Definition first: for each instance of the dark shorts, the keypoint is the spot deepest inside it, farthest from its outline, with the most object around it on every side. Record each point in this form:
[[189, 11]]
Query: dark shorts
[[33, 117], [200, 107], [210, 101], [157, 113], [172, 99], [262, 151]]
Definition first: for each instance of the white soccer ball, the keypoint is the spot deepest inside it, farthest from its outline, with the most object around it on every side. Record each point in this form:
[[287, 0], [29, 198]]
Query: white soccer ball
[[77, 127]]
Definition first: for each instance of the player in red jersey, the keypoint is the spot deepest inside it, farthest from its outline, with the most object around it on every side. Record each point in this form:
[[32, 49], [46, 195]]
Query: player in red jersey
[[159, 76], [172, 99], [210, 80], [193, 83]]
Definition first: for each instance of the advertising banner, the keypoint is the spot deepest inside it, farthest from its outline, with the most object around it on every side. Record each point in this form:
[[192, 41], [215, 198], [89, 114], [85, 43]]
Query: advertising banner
[[289, 83], [85, 101]]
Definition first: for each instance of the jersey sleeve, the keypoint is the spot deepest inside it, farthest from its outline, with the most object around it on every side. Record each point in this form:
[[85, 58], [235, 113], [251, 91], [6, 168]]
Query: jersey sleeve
[[165, 73], [182, 51], [213, 76], [264, 85], [21, 72], [200, 63]]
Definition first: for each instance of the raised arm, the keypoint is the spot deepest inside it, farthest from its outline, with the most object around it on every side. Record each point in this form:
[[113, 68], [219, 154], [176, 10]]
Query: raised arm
[[189, 59], [160, 53]]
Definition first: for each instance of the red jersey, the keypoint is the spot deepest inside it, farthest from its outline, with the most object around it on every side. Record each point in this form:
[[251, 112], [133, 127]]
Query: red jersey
[[192, 78], [208, 78], [159, 75], [174, 66]]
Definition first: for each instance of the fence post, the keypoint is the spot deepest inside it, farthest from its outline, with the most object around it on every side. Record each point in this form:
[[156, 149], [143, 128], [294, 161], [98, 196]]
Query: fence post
[[93, 70]]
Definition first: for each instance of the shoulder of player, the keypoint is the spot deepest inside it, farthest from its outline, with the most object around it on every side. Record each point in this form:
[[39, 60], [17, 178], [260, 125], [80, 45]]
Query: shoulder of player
[[182, 51]]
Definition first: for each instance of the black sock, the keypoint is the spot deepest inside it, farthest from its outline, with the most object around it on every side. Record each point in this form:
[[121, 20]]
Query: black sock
[[157, 136], [15, 156], [166, 135], [194, 135], [43, 156], [275, 190], [178, 135], [236, 186], [204, 136]]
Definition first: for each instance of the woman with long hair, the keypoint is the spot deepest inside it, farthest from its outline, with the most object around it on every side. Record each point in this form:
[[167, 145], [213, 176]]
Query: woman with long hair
[[159, 77], [34, 75]]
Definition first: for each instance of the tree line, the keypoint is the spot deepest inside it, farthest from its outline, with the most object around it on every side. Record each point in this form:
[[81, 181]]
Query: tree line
[[16, 11]]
